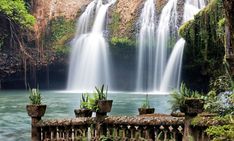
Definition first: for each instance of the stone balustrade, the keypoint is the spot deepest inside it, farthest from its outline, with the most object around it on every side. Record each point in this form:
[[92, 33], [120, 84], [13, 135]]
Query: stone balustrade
[[154, 127], [114, 127]]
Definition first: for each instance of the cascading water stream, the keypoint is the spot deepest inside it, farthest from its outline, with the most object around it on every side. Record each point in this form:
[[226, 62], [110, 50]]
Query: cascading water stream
[[171, 77], [167, 23], [146, 47], [89, 65]]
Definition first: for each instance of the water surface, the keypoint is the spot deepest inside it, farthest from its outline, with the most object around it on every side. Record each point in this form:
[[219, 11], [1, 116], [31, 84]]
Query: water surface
[[15, 123]]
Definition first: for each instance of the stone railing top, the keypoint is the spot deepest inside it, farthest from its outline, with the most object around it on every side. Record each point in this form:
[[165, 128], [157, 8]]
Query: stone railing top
[[67, 122], [116, 120], [145, 120]]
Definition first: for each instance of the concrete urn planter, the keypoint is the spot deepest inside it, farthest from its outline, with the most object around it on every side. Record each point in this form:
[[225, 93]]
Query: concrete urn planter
[[143, 111], [193, 106], [83, 112], [104, 106], [35, 111]]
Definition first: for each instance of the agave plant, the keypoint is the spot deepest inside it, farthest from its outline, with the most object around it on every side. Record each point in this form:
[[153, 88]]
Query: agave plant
[[101, 93], [146, 103]]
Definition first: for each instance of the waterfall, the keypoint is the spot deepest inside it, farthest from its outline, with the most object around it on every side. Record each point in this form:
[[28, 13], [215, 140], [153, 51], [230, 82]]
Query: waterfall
[[167, 23], [146, 47], [172, 73], [89, 65], [171, 77]]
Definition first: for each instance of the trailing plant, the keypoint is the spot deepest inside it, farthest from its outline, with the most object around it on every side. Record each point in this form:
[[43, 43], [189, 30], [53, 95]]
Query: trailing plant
[[35, 96], [178, 97], [146, 104]]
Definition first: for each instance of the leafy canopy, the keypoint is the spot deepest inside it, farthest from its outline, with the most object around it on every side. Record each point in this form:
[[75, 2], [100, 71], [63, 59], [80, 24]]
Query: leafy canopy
[[17, 12]]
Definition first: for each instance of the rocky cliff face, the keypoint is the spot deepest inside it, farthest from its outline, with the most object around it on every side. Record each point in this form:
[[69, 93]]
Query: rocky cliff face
[[124, 14], [46, 10]]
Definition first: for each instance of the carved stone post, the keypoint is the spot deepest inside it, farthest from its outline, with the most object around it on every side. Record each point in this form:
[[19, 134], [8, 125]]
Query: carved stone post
[[35, 131], [192, 107], [36, 112]]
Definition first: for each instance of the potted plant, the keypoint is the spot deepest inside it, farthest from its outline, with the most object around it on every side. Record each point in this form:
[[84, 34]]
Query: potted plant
[[102, 105], [85, 109], [35, 109], [145, 108], [187, 101]]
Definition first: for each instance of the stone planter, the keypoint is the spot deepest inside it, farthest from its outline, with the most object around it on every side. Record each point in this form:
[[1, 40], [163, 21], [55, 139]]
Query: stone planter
[[143, 111], [83, 112], [35, 111], [104, 106], [193, 106]]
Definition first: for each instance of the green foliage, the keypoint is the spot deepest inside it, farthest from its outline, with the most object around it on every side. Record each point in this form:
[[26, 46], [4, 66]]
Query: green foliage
[[222, 104], [16, 11], [101, 93], [89, 102], [211, 102], [146, 102], [122, 42], [222, 132], [61, 49], [185, 27], [61, 31], [84, 103], [221, 84], [35, 96], [104, 138], [178, 97], [204, 48], [196, 120], [221, 29], [115, 23], [92, 103]]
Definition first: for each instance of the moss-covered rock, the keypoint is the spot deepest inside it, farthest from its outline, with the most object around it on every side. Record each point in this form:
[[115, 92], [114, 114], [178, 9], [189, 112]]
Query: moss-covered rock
[[122, 42], [61, 32], [204, 51]]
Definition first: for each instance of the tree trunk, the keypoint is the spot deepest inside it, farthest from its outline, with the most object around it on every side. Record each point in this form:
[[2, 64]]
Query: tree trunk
[[229, 15]]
